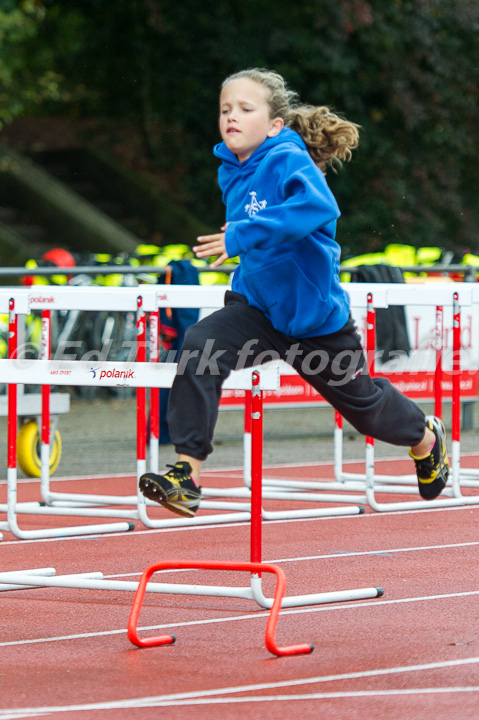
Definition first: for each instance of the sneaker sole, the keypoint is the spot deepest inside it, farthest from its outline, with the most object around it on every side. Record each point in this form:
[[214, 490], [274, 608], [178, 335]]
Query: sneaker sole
[[432, 490], [154, 492]]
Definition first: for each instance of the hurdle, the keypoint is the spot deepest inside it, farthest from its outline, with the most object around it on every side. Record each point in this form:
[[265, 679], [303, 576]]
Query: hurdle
[[139, 375], [76, 504], [237, 493], [452, 495], [461, 477], [196, 296], [11, 524], [258, 382], [370, 483], [64, 503], [139, 511]]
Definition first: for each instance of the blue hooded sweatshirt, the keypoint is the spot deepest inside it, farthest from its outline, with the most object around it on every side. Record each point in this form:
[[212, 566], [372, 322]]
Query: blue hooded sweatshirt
[[282, 223]]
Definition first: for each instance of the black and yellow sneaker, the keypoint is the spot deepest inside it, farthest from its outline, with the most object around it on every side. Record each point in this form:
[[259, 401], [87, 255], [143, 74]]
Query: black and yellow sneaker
[[432, 470], [176, 490]]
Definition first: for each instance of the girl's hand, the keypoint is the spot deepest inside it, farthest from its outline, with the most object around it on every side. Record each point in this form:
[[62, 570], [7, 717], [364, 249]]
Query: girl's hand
[[212, 245]]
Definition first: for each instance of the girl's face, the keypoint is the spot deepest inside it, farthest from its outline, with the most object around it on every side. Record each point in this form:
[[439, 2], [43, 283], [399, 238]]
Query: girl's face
[[244, 117]]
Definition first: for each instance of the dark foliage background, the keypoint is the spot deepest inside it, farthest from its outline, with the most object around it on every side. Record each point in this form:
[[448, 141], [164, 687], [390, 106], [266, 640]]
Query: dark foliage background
[[406, 70]]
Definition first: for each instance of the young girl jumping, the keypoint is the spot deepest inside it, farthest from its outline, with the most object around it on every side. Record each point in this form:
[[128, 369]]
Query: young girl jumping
[[286, 300]]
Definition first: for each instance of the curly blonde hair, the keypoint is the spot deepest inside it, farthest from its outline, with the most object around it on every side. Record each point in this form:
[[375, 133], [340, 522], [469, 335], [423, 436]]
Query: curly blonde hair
[[329, 138]]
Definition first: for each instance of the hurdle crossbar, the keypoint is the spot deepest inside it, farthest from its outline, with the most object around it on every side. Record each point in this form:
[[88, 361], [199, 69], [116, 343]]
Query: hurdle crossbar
[[255, 566]]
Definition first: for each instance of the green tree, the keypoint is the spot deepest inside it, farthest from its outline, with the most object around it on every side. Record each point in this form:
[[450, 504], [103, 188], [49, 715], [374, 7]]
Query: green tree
[[418, 98], [405, 70], [26, 79]]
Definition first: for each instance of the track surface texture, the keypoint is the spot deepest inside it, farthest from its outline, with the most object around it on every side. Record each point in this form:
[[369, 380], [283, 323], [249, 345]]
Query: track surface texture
[[413, 653]]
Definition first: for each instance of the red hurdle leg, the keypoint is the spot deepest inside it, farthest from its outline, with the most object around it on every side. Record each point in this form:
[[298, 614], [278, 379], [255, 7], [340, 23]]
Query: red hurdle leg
[[370, 354], [456, 371], [154, 336], [438, 372], [12, 391], [256, 469], [140, 392], [257, 568]]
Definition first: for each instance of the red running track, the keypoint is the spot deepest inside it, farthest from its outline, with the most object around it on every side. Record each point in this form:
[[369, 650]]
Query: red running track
[[414, 653]]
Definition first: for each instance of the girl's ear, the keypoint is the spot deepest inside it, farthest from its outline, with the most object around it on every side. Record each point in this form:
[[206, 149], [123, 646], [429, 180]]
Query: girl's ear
[[276, 126]]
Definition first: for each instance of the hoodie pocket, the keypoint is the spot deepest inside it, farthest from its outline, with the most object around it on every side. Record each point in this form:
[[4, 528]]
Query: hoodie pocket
[[289, 298]]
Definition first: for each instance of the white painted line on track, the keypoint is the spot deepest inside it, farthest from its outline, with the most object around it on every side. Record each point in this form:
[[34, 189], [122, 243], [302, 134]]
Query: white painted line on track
[[219, 694], [352, 553], [254, 615], [75, 478], [234, 469], [139, 532], [309, 696]]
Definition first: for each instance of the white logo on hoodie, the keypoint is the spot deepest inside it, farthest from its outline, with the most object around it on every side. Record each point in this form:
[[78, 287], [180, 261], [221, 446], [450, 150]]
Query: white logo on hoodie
[[255, 205]]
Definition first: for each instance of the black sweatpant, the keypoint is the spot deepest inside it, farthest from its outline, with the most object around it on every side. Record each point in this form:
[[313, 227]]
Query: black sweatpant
[[239, 336]]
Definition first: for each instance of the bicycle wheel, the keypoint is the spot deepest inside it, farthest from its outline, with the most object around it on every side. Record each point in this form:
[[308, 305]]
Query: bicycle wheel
[[107, 332], [28, 449]]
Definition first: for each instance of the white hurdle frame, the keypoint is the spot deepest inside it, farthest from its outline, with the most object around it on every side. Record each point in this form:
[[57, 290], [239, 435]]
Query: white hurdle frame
[[195, 296], [141, 375], [467, 477], [139, 505], [451, 496], [12, 507], [259, 381], [80, 504], [369, 484]]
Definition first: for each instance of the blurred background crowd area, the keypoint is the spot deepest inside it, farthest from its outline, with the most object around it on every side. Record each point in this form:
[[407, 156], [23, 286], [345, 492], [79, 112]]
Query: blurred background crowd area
[[108, 115]]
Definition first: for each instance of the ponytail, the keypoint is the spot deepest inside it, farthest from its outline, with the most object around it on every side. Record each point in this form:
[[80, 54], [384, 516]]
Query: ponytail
[[329, 138]]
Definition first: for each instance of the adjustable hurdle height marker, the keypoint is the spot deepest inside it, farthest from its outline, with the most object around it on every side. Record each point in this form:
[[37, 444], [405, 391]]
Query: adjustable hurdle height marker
[[247, 439], [45, 423], [456, 393], [12, 418], [370, 355], [140, 392], [256, 469], [154, 345], [438, 370]]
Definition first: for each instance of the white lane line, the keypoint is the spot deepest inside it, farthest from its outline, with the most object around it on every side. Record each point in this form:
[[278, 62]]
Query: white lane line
[[237, 469], [305, 696], [176, 698], [352, 553], [269, 466], [139, 532], [339, 554], [309, 696], [254, 615], [140, 704]]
